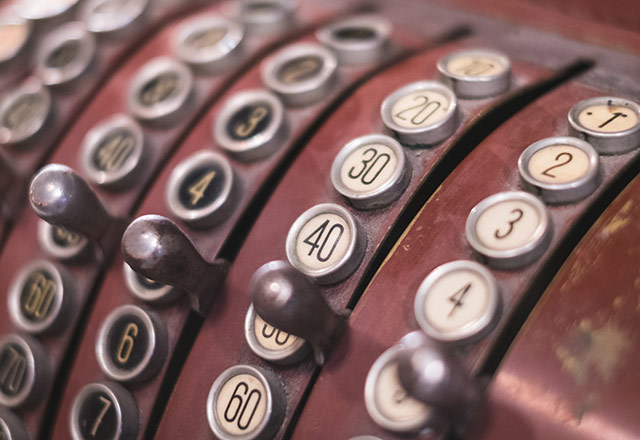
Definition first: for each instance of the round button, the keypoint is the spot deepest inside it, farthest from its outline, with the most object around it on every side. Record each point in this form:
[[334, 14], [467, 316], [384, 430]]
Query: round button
[[112, 16], [15, 33], [113, 151], [208, 42], [476, 73], [245, 403], [160, 91], [11, 427], [104, 411], [357, 40], [457, 302], [301, 74], [40, 298], [560, 169], [510, 229], [387, 402], [270, 343], [251, 125], [371, 171], [43, 9], [148, 290], [61, 243], [326, 243], [24, 112], [65, 54], [265, 16], [424, 113], [132, 344], [200, 189], [611, 125], [25, 371]]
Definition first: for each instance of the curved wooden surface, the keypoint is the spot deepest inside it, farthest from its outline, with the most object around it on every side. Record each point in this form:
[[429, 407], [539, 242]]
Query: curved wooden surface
[[572, 372], [437, 236]]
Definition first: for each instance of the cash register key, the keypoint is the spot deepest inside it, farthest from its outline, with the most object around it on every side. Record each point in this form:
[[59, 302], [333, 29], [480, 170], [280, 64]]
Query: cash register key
[[65, 54], [423, 113], [44, 9], [113, 152], [104, 411], [15, 33], [157, 249], [437, 378], [360, 39], [41, 297], [11, 427], [148, 290], [270, 343], [264, 16], [560, 169], [202, 190], [209, 43], [24, 113], [371, 171], [509, 229], [610, 124], [161, 91], [301, 74], [246, 403], [476, 73], [326, 243], [388, 403], [252, 125], [60, 242], [287, 300], [25, 371], [132, 344], [112, 18], [457, 302], [61, 197]]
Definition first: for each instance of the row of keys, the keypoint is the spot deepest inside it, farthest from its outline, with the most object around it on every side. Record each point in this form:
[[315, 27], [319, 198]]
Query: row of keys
[[460, 301], [202, 185]]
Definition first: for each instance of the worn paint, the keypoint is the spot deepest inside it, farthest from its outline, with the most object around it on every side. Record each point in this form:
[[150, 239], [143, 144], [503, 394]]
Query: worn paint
[[619, 221], [589, 351]]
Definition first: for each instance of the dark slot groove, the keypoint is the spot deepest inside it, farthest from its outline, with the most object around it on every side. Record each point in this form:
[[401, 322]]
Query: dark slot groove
[[549, 269], [238, 234], [467, 141]]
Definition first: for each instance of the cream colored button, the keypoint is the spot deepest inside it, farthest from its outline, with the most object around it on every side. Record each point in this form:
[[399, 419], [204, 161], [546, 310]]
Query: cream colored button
[[245, 403], [371, 171], [112, 16], [14, 34], [560, 169], [457, 301], [476, 73], [386, 400], [43, 9], [326, 243], [424, 112], [510, 229], [270, 343], [610, 124]]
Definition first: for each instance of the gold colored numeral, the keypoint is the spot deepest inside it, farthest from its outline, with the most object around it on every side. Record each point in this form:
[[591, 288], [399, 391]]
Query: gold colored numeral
[[127, 341], [103, 411], [244, 129], [13, 371], [299, 70], [198, 189], [41, 294]]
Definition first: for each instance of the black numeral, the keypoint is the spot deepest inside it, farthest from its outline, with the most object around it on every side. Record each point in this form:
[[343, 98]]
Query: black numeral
[[318, 233], [519, 213], [569, 157]]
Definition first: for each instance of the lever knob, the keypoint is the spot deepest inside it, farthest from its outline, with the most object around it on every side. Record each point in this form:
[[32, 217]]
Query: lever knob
[[61, 197], [289, 301], [156, 248], [435, 377]]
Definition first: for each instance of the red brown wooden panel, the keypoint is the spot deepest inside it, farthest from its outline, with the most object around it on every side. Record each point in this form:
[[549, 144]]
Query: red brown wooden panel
[[572, 372], [221, 342], [22, 247], [251, 177], [385, 312]]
